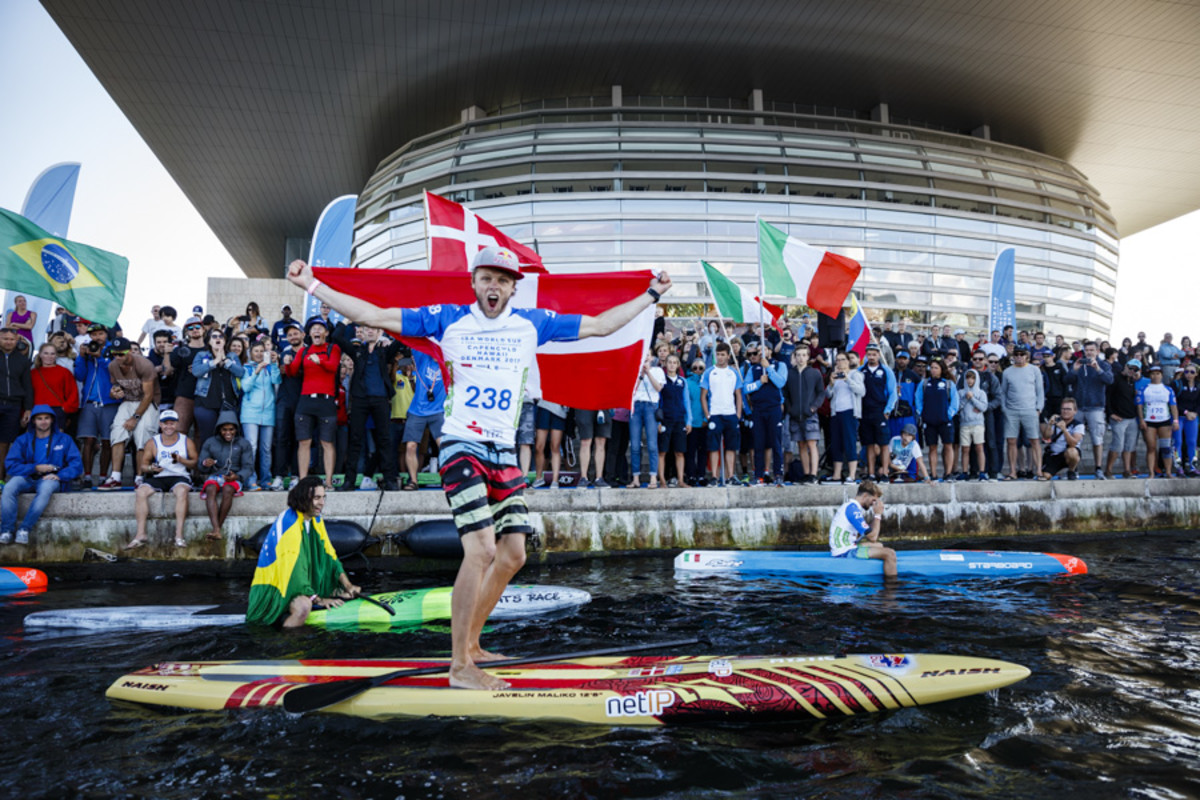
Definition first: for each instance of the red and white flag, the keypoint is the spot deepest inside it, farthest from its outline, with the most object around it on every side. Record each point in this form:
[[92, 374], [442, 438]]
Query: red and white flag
[[596, 373], [455, 233]]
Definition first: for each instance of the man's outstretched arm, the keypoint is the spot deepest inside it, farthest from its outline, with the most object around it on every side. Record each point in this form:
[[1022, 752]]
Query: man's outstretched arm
[[617, 317], [352, 308]]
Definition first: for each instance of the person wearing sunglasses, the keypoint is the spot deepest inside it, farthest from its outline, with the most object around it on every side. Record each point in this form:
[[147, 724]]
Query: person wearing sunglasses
[[181, 363], [695, 460], [1187, 397]]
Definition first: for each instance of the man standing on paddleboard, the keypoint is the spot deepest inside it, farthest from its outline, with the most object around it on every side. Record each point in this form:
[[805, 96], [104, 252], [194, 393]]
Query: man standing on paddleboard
[[851, 537], [488, 349]]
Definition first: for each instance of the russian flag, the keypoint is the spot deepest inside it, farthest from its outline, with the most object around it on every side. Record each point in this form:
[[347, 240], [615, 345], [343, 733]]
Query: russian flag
[[858, 335]]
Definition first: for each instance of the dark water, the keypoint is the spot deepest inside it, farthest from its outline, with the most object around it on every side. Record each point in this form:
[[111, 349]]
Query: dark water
[[1112, 708]]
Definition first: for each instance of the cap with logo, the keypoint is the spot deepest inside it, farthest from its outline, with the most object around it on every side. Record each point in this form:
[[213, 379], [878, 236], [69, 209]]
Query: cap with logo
[[120, 345], [168, 416], [96, 326], [1133, 363], [500, 258], [197, 309]]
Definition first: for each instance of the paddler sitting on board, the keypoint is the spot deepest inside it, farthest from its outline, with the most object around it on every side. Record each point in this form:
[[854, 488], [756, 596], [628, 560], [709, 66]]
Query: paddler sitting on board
[[488, 349], [297, 565], [851, 537]]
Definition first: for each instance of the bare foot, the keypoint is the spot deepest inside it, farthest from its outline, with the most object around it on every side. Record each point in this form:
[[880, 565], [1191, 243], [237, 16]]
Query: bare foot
[[479, 654], [470, 676]]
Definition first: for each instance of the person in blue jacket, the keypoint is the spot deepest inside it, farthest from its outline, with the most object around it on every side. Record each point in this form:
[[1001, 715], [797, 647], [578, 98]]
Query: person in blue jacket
[[676, 423], [762, 382], [877, 405], [97, 406], [937, 403], [696, 459], [257, 415], [42, 460]]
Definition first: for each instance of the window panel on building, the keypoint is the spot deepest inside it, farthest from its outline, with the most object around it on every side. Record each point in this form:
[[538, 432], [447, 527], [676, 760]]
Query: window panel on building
[[892, 297], [719, 249], [813, 153], [896, 277], [824, 233], [551, 249], [835, 212], [608, 227], [915, 258]]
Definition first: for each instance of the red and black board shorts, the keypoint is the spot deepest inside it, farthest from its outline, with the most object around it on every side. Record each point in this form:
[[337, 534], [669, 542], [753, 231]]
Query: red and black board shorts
[[484, 486]]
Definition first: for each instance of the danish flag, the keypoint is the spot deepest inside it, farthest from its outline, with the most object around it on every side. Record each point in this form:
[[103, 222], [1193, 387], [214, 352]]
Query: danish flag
[[455, 233]]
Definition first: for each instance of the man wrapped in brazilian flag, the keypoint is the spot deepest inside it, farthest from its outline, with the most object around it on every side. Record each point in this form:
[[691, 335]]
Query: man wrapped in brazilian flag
[[297, 566]]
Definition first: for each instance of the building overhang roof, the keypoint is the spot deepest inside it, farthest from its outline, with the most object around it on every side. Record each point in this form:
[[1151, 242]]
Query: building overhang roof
[[264, 111]]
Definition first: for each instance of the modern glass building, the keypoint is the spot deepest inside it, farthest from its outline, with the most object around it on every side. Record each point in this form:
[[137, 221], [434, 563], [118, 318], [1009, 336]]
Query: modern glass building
[[661, 183]]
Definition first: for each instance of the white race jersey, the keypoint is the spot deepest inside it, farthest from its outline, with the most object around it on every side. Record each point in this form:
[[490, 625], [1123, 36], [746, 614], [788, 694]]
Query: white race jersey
[[487, 362], [848, 526]]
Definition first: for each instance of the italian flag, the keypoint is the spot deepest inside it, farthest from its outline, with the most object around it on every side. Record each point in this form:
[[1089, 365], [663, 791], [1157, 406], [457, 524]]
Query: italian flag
[[791, 268], [735, 303]]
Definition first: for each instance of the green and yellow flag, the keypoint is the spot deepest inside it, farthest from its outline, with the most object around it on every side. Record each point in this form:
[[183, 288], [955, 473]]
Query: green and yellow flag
[[84, 280]]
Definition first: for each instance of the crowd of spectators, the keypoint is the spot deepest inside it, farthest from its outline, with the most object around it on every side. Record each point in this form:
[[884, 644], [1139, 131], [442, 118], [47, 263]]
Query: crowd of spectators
[[242, 401]]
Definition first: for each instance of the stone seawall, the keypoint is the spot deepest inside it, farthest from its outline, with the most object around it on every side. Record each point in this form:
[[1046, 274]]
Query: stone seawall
[[599, 521]]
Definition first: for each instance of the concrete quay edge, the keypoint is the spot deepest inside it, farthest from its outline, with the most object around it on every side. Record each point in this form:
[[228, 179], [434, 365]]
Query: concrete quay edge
[[595, 522]]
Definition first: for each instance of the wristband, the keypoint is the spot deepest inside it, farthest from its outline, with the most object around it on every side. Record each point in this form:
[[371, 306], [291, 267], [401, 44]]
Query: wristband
[[312, 287], [314, 599], [654, 295]]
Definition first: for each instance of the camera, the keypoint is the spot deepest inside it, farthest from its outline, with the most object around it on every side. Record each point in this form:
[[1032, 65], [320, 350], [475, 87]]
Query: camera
[[93, 347], [429, 395]]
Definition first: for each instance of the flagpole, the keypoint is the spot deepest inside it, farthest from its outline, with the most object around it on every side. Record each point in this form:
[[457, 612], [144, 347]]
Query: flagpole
[[762, 327], [724, 330]]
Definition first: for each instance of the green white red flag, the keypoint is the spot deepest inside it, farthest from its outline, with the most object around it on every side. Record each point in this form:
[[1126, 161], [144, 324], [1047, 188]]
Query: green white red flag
[[734, 302], [791, 268]]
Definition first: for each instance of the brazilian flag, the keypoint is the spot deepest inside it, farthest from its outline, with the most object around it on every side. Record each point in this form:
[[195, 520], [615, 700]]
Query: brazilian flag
[[84, 280]]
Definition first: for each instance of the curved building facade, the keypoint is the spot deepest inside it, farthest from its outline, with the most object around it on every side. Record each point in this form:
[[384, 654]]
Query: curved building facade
[[663, 183]]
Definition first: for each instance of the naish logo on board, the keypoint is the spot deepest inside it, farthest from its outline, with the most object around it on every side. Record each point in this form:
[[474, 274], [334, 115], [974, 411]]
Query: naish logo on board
[[941, 673], [641, 704], [151, 687]]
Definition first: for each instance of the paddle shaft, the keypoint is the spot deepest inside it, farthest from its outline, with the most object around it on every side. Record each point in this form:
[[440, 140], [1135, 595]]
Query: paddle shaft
[[317, 696], [391, 611]]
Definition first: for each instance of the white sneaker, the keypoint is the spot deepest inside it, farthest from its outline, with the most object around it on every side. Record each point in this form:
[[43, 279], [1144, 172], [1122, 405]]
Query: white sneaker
[[6, 537], [277, 484], [367, 485], [22, 537]]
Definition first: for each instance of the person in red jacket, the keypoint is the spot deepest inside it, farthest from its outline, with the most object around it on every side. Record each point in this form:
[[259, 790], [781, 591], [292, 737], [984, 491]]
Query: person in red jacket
[[316, 413], [54, 386]]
